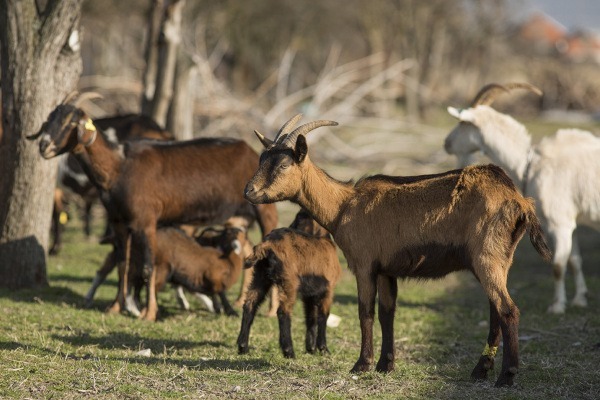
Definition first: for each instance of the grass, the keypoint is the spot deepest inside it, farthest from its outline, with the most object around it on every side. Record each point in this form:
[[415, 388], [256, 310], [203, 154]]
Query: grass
[[51, 347]]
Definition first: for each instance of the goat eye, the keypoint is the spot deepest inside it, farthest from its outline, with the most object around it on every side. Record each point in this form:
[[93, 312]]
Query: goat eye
[[284, 166]]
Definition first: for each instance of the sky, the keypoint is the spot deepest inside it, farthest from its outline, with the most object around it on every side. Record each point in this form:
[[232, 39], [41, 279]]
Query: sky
[[572, 14]]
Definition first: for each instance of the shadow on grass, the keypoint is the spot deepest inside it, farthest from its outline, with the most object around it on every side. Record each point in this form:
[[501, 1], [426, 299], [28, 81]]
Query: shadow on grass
[[125, 341], [54, 277], [51, 294], [122, 340]]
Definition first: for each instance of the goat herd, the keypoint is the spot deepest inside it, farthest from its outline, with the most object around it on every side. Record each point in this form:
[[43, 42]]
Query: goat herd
[[388, 227]]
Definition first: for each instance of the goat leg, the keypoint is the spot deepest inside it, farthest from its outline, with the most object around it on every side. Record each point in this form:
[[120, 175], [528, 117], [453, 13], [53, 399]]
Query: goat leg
[[323, 315], [254, 298], [510, 353], [229, 311], [110, 262], [366, 313], [285, 332], [486, 361], [310, 315], [387, 288]]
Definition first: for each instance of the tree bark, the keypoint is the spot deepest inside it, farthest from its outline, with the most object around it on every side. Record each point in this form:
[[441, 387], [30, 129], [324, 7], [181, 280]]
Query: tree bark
[[151, 55], [165, 65], [40, 64], [180, 119]]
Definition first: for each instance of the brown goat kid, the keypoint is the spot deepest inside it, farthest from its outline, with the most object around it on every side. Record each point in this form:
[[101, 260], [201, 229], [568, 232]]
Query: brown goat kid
[[198, 181], [397, 227], [300, 260], [201, 269]]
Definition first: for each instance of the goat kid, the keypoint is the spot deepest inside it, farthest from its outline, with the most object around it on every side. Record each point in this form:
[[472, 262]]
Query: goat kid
[[197, 181], [301, 259], [398, 227], [560, 173], [209, 270]]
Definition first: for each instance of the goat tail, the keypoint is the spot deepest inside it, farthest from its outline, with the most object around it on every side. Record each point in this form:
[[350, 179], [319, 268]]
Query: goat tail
[[536, 234], [258, 253]]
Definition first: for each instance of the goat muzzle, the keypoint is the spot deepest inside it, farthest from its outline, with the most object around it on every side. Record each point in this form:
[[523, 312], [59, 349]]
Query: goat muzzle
[[252, 195]]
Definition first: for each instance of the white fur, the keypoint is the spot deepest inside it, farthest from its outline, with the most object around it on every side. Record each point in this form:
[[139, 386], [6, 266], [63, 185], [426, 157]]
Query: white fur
[[562, 176]]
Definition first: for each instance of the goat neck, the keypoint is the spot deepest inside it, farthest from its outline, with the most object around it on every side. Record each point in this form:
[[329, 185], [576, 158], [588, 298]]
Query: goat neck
[[323, 196], [505, 141], [102, 162]]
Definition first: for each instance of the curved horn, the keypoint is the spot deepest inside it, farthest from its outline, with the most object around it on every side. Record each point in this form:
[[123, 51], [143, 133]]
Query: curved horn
[[524, 85], [304, 129], [265, 142], [70, 97], [488, 93], [86, 96], [287, 127]]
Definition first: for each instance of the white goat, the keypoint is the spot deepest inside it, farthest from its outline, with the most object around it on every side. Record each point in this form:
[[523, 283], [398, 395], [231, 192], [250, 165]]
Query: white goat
[[561, 173]]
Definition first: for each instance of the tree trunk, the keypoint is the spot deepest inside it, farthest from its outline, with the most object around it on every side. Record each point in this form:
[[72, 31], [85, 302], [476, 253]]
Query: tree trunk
[[151, 55], [40, 64], [180, 120], [170, 37]]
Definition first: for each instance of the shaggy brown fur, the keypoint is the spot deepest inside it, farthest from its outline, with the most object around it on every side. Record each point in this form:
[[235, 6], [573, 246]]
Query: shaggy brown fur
[[197, 181], [297, 263], [424, 227], [204, 269]]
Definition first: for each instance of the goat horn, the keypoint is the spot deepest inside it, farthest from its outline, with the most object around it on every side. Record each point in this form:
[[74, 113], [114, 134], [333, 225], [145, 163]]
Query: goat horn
[[34, 136], [86, 96], [287, 127], [304, 129], [265, 142], [70, 97], [523, 85], [488, 93]]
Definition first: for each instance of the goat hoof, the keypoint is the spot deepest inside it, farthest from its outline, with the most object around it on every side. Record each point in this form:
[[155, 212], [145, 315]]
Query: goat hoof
[[579, 301], [232, 313], [324, 351], [243, 349], [147, 315], [506, 378], [360, 366], [289, 354], [481, 369], [385, 366], [115, 308], [87, 303], [557, 308]]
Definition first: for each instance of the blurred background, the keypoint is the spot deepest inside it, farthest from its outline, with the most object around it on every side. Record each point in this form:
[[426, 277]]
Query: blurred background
[[382, 66]]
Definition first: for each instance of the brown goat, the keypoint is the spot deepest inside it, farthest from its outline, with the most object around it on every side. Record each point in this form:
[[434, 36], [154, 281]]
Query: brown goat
[[197, 181], [296, 262], [398, 227], [209, 270], [71, 176]]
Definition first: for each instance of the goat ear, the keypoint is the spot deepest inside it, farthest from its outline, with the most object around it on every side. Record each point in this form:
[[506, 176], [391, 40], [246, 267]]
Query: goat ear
[[301, 148], [465, 115]]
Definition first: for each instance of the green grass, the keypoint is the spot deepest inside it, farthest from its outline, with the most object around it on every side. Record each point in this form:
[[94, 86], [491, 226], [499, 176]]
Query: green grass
[[51, 347]]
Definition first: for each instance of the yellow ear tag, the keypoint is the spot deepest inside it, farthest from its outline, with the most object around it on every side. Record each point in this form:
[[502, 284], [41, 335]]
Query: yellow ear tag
[[89, 125], [63, 218]]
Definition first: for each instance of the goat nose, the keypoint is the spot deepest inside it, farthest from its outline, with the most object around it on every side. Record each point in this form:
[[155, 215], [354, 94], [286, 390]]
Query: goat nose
[[447, 146], [249, 189]]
